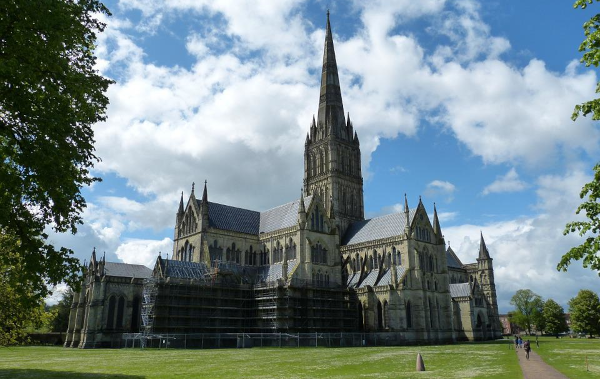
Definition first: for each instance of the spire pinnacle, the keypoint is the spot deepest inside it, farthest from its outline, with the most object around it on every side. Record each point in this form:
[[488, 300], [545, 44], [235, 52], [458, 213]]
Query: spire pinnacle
[[180, 210], [301, 207], [405, 204], [331, 109], [437, 230], [205, 194], [483, 251]]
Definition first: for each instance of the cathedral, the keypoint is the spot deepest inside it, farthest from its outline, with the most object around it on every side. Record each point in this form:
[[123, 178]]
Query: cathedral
[[313, 265]]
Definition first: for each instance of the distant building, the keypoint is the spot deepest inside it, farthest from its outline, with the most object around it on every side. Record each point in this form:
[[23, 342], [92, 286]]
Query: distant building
[[311, 265]]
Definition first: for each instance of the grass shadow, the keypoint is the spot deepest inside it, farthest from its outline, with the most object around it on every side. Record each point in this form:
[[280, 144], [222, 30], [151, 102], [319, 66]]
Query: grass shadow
[[36, 373]]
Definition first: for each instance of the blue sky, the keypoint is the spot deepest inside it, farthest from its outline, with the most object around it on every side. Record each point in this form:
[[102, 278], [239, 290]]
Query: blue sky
[[462, 102]]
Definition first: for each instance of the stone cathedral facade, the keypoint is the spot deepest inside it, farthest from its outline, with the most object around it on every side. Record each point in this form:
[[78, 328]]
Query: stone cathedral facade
[[311, 265]]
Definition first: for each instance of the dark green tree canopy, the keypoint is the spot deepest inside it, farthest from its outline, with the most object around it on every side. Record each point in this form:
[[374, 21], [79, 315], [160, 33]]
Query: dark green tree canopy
[[585, 312], [554, 318], [50, 97], [528, 306]]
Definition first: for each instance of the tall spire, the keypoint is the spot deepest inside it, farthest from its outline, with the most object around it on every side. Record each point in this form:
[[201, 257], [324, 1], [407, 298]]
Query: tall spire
[[483, 251], [331, 109]]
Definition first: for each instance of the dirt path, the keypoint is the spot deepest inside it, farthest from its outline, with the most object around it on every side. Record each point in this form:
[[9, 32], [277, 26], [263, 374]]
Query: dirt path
[[536, 368]]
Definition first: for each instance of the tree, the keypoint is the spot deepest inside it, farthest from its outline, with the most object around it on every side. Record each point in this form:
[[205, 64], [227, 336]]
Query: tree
[[50, 97], [590, 248], [585, 312], [527, 312], [61, 311], [17, 316], [554, 317]]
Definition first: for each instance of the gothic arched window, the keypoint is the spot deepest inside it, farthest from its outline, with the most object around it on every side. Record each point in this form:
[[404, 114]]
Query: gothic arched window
[[120, 312], [110, 317]]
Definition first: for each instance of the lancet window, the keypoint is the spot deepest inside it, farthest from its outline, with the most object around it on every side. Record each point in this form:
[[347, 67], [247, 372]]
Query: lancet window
[[318, 254]]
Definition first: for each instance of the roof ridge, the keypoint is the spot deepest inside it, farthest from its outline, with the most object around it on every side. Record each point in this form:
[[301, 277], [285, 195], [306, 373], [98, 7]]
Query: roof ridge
[[230, 206], [284, 204]]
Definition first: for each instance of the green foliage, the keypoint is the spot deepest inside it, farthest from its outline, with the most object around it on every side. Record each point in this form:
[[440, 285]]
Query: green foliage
[[585, 312], [528, 306], [60, 313], [554, 318], [50, 97], [17, 317], [591, 57], [590, 248]]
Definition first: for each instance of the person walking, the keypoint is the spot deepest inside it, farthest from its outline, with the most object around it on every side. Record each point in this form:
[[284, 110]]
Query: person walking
[[520, 342], [527, 347], [516, 342], [537, 342]]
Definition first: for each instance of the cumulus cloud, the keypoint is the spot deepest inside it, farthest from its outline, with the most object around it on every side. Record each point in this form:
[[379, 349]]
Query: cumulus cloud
[[526, 250], [143, 252], [238, 114], [506, 183], [441, 188]]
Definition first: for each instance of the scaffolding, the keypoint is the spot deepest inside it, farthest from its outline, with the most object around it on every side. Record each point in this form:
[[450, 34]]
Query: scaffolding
[[223, 300]]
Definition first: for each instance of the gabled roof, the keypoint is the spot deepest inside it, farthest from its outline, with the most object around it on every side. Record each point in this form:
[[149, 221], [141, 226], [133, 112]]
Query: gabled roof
[[452, 259], [377, 228], [126, 270], [241, 220], [226, 217], [283, 216], [460, 290]]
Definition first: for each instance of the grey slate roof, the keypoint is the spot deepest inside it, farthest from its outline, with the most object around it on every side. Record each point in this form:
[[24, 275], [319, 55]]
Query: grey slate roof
[[371, 278], [386, 279], [241, 220], [377, 228], [460, 290], [226, 217], [353, 279], [275, 271], [181, 269], [283, 216], [126, 270], [452, 259]]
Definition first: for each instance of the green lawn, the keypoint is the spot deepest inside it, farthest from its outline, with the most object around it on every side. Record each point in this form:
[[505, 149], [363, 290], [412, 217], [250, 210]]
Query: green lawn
[[479, 360], [568, 355]]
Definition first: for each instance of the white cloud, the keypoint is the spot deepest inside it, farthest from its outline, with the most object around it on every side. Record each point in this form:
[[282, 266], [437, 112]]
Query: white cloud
[[441, 188], [238, 115], [526, 250], [447, 216], [506, 183], [143, 252]]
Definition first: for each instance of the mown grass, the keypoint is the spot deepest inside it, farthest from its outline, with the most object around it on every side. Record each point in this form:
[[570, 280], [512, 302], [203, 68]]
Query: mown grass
[[477, 360], [568, 355]]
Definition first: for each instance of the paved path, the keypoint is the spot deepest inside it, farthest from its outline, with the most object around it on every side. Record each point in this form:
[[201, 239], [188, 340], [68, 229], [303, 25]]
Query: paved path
[[536, 368]]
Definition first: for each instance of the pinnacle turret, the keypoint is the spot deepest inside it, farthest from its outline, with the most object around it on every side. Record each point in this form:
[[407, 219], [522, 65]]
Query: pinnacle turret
[[483, 251], [180, 210], [205, 194], [436, 223]]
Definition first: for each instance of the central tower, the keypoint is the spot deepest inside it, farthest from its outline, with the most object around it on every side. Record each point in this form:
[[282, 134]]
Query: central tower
[[332, 152]]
